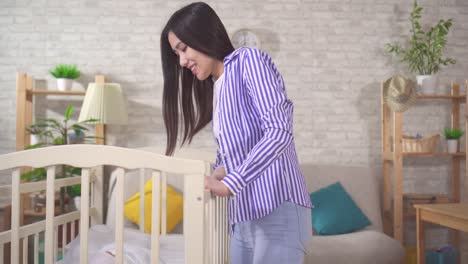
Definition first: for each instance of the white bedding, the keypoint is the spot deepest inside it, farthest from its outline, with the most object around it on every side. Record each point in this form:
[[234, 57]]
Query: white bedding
[[137, 247]]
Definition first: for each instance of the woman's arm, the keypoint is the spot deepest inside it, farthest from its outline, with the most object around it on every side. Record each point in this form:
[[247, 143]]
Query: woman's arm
[[266, 88]]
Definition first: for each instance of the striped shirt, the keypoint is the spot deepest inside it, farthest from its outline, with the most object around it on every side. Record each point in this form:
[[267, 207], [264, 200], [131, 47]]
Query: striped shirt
[[255, 140]]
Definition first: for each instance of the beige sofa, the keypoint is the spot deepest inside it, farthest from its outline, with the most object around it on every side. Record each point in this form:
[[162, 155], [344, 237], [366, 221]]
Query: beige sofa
[[369, 245]]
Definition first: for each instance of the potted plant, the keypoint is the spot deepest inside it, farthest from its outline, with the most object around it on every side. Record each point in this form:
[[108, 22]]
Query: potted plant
[[74, 192], [38, 134], [452, 135], [65, 74], [424, 51], [55, 132]]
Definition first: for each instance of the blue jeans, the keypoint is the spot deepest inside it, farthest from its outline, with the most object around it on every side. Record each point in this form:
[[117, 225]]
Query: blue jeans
[[279, 237]]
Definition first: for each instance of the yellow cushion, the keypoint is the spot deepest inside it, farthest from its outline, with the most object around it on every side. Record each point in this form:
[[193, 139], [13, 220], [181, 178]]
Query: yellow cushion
[[174, 207]]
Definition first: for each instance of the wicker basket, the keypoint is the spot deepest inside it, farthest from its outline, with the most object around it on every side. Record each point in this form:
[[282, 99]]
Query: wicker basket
[[424, 144]]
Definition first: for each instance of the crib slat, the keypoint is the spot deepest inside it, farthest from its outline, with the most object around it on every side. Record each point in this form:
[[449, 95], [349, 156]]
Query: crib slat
[[56, 237], [72, 235], [96, 174], [36, 248], [50, 207], [210, 228], [207, 217], [220, 230], [194, 238], [119, 206], [64, 237], [164, 204], [155, 217], [214, 232], [25, 250], [142, 199], [15, 204], [84, 216], [226, 231], [1, 252], [221, 244], [217, 229], [225, 227]]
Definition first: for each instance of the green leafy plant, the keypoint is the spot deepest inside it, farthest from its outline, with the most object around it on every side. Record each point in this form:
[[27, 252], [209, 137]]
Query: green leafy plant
[[65, 71], [453, 133], [424, 53], [55, 132]]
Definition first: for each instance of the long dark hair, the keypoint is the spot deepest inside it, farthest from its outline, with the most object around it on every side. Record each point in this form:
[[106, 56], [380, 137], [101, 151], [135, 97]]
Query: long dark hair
[[198, 26]]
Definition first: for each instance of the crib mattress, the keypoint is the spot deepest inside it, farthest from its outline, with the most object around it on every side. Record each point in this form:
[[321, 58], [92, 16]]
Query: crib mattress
[[137, 247], [172, 249]]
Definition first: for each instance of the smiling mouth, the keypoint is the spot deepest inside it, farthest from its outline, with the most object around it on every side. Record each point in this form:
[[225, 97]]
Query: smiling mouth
[[193, 69]]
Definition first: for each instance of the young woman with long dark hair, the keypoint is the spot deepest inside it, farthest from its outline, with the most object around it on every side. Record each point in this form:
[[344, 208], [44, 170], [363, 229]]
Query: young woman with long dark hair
[[243, 94]]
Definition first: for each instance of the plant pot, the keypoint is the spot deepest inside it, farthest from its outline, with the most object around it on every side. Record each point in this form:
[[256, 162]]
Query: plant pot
[[77, 201], [428, 84], [64, 84], [35, 139], [452, 145]]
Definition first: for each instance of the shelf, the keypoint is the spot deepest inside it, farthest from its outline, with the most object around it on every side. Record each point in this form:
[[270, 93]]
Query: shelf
[[410, 199], [398, 207], [440, 96], [56, 92], [389, 155], [420, 197], [434, 154]]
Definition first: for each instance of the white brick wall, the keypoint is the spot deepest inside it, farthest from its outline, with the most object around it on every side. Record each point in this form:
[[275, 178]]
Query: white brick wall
[[330, 53]]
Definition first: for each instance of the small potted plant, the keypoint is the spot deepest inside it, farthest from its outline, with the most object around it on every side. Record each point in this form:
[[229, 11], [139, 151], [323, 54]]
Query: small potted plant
[[424, 51], [74, 192], [452, 135], [65, 74]]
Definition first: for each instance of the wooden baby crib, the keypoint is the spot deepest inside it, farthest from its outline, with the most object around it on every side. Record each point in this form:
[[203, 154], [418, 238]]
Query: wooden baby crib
[[205, 236]]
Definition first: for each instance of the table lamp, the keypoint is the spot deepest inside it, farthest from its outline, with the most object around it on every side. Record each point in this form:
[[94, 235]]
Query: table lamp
[[105, 102]]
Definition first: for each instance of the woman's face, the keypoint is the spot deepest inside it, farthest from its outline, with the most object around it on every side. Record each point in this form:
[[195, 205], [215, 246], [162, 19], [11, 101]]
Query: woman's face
[[201, 65]]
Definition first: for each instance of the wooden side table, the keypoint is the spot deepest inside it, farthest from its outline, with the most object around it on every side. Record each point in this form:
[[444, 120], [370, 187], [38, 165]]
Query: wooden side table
[[452, 215]]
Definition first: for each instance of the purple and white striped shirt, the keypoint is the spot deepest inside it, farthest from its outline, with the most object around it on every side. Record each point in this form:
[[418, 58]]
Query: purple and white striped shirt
[[255, 141]]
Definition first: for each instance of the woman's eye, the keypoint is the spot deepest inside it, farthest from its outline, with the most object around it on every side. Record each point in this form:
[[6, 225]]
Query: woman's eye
[[184, 48]]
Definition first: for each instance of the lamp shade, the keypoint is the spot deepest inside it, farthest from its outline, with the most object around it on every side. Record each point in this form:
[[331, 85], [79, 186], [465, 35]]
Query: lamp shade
[[105, 102]]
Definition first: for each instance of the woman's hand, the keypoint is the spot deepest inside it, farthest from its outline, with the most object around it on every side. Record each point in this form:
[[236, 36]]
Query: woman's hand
[[216, 187], [219, 173]]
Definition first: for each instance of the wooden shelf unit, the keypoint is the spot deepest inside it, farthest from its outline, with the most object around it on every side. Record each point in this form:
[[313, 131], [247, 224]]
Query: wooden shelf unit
[[24, 117], [51, 92], [394, 211], [24, 107]]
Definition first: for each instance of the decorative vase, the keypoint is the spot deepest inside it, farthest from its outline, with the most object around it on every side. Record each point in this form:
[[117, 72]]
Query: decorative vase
[[427, 84], [35, 139], [77, 201], [64, 84], [452, 145]]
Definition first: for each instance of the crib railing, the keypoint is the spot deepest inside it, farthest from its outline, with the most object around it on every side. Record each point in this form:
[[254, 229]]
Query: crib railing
[[19, 236], [217, 246], [216, 243], [205, 231]]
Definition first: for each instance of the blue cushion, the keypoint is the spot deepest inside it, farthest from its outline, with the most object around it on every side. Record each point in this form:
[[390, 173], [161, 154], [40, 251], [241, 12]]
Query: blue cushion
[[335, 211]]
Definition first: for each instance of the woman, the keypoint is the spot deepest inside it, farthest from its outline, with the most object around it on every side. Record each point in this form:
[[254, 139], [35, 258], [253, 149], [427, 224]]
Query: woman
[[243, 93]]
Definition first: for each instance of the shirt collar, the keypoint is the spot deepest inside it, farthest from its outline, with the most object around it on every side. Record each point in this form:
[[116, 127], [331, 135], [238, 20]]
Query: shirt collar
[[232, 55]]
